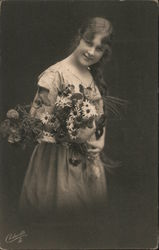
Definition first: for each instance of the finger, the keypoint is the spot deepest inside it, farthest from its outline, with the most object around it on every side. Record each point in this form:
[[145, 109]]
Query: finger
[[94, 123], [93, 150]]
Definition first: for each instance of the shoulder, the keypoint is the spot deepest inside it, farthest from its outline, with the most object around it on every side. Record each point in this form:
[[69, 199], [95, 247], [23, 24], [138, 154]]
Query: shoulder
[[51, 76], [57, 67], [51, 70]]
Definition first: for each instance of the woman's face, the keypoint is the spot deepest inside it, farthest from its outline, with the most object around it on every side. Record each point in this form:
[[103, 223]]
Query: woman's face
[[90, 52]]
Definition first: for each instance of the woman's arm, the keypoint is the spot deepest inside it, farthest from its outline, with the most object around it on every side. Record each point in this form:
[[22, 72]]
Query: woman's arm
[[45, 98]]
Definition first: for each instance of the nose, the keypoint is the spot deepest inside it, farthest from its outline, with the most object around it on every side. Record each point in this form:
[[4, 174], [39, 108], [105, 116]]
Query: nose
[[91, 51]]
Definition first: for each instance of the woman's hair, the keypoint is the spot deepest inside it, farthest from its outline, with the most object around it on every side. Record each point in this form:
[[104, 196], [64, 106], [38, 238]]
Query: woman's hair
[[87, 31]]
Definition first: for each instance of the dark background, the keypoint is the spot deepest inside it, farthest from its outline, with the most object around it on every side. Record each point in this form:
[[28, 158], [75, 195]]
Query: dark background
[[37, 34]]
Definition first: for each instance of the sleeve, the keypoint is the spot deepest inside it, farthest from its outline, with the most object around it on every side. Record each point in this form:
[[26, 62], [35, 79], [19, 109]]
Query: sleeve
[[49, 84]]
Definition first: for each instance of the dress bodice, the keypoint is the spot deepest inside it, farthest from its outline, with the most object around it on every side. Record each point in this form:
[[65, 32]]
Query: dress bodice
[[59, 75]]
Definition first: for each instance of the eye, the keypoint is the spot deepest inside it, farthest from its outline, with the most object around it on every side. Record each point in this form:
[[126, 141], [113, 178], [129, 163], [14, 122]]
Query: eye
[[89, 43], [101, 49]]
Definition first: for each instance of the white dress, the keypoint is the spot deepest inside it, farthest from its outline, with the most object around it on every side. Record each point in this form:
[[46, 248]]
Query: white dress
[[52, 185]]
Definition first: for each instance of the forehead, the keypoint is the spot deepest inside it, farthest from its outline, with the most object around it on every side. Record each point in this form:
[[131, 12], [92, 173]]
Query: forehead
[[98, 38]]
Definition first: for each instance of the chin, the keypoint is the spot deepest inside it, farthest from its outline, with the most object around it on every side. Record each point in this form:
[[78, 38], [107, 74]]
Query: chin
[[85, 63]]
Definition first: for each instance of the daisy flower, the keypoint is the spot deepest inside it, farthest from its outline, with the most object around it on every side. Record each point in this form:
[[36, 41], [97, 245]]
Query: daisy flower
[[88, 110], [73, 133], [48, 134], [76, 112], [45, 117], [70, 123], [63, 102], [47, 137], [70, 127]]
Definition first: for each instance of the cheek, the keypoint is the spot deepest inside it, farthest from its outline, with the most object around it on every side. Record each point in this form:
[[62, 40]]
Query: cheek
[[98, 56]]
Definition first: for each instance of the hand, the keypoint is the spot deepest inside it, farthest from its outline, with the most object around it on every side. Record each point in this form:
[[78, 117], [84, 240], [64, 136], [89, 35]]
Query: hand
[[85, 133], [93, 154], [93, 150]]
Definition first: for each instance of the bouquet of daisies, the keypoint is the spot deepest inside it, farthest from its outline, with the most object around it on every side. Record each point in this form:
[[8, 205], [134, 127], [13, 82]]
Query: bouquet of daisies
[[72, 111]]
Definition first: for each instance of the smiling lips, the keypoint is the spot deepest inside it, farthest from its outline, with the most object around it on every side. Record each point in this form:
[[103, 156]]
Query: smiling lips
[[87, 58]]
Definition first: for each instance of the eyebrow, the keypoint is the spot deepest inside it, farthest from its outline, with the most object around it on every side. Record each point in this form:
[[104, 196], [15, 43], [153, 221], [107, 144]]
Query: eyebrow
[[104, 41], [101, 45]]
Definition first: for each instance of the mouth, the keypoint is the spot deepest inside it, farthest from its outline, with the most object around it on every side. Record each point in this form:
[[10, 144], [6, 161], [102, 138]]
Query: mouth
[[87, 58]]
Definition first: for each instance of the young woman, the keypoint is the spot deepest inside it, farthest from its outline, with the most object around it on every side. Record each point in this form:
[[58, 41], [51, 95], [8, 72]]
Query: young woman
[[53, 185]]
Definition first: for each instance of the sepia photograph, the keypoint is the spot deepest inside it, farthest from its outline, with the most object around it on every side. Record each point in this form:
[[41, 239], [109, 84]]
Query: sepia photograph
[[78, 124]]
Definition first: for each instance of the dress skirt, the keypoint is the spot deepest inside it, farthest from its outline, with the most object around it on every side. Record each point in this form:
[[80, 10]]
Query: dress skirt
[[53, 186]]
